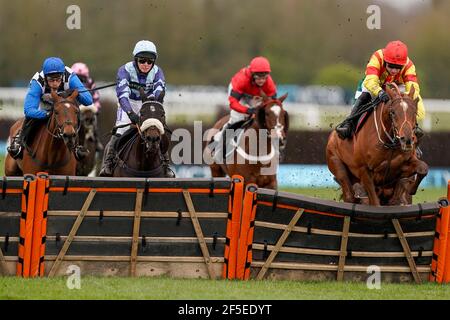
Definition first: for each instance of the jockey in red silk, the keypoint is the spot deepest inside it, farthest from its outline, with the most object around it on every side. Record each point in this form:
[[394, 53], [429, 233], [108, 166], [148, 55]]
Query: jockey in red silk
[[82, 71], [388, 65], [245, 89]]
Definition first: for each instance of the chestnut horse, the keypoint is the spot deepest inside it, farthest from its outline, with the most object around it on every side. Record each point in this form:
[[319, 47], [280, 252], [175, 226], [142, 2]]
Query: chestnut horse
[[381, 156], [140, 149], [269, 128], [50, 146]]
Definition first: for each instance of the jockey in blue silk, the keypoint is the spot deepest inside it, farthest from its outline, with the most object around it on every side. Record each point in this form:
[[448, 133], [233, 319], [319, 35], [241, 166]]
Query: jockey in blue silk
[[53, 76], [141, 73]]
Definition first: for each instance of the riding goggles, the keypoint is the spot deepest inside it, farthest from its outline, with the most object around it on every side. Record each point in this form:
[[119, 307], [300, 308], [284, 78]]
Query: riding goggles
[[145, 60], [394, 66], [54, 77], [261, 75]]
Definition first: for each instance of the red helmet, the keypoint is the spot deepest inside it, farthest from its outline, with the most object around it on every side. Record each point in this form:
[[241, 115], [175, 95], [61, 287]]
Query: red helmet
[[396, 52], [259, 64]]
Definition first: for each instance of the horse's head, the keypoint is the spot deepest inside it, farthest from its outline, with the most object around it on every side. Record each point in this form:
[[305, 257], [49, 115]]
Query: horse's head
[[152, 124], [65, 121], [401, 112], [88, 122], [273, 117]]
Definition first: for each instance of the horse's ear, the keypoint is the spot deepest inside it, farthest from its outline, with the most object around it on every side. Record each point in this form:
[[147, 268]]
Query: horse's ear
[[74, 95], [390, 92], [283, 97], [411, 92], [55, 96], [263, 94]]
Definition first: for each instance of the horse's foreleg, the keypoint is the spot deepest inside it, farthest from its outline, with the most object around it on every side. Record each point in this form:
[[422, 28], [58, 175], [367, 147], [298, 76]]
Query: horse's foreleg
[[419, 168], [401, 192], [12, 167], [339, 170], [367, 181]]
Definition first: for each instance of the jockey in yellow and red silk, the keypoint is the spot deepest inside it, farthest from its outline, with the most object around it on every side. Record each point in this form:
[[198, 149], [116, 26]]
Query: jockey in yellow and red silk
[[244, 93], [387, 65]]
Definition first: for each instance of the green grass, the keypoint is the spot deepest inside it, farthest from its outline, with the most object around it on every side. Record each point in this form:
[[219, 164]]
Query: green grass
[[422, 195], [194, 289]]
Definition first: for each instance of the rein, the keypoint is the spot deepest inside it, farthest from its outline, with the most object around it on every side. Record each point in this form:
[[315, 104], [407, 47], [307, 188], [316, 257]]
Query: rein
[[99, 88]]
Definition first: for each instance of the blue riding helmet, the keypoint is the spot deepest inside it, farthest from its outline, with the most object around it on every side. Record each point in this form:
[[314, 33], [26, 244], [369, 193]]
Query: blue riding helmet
[[53, 65]]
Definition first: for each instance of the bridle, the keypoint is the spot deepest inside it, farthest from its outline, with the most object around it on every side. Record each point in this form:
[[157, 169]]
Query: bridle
[[394, 139], [59, 127]]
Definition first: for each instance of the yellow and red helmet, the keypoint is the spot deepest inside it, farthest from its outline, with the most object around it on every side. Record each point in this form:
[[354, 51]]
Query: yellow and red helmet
[[396, 52]]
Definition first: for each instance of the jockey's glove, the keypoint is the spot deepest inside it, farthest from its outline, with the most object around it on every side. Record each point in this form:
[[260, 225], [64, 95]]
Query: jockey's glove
[[47, 98], [134, 118], [252, 110], [383, 96]]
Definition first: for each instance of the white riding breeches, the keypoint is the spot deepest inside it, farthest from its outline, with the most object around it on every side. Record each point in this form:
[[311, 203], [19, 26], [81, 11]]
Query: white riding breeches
[[237, 116], [401, 87], [122, 117]]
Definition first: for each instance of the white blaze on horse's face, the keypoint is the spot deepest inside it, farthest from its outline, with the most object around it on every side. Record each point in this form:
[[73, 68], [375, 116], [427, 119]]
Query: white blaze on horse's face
[[278, 127], [404, 105], [67, 105]]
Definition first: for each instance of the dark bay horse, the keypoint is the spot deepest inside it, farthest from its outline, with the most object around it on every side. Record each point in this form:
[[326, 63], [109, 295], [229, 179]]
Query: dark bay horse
[[267, 132], [88, 140], [381, 157], [50, 146], [140, 149]]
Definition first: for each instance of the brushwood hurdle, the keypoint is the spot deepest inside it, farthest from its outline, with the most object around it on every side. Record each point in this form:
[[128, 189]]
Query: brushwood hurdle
[[212, 228]]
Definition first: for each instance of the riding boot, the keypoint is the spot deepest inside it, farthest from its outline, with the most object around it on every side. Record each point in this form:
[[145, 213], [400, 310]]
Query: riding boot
[[109, 160], [15, 149], [346, 128], [167, 172]]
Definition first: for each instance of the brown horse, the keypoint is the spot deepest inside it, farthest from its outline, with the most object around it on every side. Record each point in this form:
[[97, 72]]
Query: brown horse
[[268, 128], [381, 157], [140, 149], [51, 145], [88, 140]]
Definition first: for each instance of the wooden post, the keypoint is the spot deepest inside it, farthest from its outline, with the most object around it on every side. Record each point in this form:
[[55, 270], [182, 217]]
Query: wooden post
[[279, 244], [199, 233], [72, 233], [3, 268], [136, 227], [406, 250], [343, 253]]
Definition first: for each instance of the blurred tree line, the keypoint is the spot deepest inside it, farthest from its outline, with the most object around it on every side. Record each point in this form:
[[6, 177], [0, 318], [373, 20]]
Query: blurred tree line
[[207, 41]]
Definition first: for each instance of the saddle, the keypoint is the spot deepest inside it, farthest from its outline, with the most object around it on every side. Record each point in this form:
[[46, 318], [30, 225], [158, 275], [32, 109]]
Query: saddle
[[221, 144], [125, 137]]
